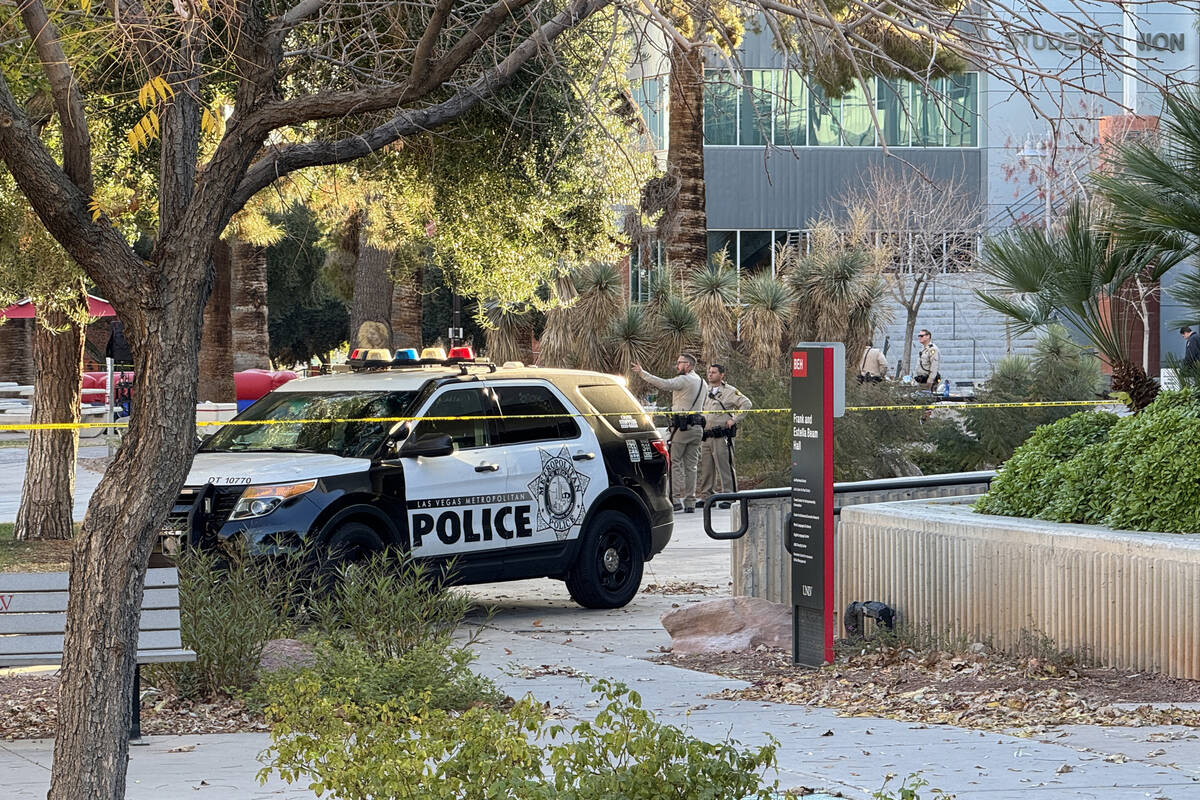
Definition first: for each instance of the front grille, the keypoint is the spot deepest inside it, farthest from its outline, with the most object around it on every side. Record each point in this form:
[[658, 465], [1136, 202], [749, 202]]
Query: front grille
[[223, 501]]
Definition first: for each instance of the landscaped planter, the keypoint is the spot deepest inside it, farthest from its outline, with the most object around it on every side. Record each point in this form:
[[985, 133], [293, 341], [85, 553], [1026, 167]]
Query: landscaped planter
[[1126, 599]]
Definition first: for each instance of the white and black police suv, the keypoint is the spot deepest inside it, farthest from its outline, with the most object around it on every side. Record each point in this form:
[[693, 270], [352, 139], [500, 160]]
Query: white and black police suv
[[507, 473]]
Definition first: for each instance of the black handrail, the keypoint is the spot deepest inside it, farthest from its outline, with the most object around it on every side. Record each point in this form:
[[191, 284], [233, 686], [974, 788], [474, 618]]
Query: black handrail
[[845, 487]]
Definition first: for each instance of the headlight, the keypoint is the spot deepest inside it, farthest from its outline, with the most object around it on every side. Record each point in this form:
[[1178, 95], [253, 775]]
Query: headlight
[[258, 501]]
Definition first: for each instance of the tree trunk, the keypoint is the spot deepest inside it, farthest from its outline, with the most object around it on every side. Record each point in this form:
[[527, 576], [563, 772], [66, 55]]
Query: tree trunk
[[16, 348], [109, 557], [248, 310], [910, 331], [372, 301], [406, 310], [687, 248], [48, 496], [216, 343]]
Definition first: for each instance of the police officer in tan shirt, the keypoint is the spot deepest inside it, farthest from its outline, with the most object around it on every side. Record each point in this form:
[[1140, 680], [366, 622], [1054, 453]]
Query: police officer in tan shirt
[[687, 427], [724, 407]]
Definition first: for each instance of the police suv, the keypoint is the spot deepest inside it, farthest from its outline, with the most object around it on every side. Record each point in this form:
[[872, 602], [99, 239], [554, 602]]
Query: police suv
[[505, 473]]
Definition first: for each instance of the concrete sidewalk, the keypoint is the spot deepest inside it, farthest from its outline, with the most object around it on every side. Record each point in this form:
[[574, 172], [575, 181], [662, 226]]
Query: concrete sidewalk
[[539, 641], [12, 469]]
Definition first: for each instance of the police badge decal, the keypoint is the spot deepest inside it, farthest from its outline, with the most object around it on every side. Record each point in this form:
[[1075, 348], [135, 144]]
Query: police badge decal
[[558, 491]]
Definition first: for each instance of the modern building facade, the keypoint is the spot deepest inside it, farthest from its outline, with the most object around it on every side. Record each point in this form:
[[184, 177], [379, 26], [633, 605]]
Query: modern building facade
[[779, 155]]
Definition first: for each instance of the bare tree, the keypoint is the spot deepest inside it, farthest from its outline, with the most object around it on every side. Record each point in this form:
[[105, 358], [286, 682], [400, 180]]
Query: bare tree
[[929, 228]]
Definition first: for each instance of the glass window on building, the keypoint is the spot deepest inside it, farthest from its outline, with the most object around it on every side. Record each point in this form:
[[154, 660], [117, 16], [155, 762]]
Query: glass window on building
[[726, 241], [720, 108], [651, 99], [928, 121], [891, 106], [824, 130], [755, 252], [962, 95], [645, 271], [791, 109], [756, 102], [858, 129]]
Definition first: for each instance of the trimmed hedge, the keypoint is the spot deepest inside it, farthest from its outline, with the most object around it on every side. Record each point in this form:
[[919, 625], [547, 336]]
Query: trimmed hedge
[[1134, 473]]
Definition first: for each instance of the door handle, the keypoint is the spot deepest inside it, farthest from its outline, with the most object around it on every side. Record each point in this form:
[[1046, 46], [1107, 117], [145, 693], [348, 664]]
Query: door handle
[[485, 467], [583, 456]]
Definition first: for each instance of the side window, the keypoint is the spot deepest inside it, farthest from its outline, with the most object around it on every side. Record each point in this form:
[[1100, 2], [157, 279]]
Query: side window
[[518, 401], [617, 407], [464, 433]]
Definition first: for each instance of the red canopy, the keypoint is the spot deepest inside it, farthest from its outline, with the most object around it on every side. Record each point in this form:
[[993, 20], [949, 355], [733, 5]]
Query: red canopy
[[97, 307]]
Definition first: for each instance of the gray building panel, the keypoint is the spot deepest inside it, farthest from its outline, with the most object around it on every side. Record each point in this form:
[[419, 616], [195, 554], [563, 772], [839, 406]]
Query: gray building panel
[[752, 188]]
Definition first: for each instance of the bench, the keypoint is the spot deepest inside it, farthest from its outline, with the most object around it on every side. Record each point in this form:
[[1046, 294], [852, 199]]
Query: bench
[[33, 615]]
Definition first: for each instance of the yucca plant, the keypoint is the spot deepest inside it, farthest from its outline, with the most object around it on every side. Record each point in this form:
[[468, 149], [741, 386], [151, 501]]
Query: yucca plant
[[678, 331], [764, 319], [557, 336], [836, 288], [601, 298], [711, 291], [631, 338], [507, 331], [1073, 274]]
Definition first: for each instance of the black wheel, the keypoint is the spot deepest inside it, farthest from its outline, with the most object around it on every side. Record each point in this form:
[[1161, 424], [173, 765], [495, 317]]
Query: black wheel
[[608, 570], [349, 544]]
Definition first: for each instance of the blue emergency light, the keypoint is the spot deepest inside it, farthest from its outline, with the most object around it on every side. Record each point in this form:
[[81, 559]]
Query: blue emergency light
[[406, 357]]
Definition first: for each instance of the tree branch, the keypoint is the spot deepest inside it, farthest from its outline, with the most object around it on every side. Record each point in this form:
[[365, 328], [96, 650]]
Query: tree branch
[[488, 23], [63, 208], [77, 141], [429, 38], [288, 159]]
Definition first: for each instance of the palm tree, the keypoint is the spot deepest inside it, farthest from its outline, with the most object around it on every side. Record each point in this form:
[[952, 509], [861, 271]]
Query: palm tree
[[765, 318], [1072, 275], [710, 291]]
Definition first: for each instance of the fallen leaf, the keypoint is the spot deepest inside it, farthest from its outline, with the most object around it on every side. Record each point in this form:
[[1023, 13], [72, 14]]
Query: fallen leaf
[[183, 748]]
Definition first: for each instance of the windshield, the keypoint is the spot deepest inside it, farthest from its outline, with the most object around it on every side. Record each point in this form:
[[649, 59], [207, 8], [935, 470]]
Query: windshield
[[348, 437]]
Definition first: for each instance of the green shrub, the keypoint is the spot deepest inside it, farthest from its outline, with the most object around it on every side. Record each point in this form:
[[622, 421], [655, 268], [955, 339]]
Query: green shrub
[[1153, 470], [230, 606], [1027, 483], [1136, 473], [436, 670], [410, 749], [387, 606]]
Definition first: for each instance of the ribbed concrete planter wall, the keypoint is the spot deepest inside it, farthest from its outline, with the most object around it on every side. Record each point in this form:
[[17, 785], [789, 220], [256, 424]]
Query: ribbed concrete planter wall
[[1130, 600]]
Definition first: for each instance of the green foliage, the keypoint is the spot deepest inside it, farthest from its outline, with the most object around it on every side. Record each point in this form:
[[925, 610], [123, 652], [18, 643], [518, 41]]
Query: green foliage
[[987, 437], [387, 607], [1028, 481], [878, 444], [307, 317], [908, 789], [1132, 473], [409, 748], [230, 606], [435, 670]]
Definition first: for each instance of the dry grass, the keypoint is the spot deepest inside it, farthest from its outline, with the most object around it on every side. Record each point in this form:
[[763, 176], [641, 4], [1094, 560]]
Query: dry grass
[[50, 555]]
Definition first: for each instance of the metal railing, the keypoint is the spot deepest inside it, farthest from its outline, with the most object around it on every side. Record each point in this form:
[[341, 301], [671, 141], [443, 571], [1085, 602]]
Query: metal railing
[[910, 485]]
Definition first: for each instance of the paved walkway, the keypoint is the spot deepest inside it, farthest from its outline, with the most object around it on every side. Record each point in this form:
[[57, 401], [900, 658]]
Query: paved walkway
[[538, 639], [12, 478]]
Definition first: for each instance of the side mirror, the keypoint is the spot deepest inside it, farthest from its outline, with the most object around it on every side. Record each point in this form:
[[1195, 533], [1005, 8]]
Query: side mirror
[[430, 445]]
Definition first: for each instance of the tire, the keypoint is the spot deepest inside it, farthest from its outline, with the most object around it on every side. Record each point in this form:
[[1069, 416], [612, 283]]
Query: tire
[[608, 569], [350, 543]]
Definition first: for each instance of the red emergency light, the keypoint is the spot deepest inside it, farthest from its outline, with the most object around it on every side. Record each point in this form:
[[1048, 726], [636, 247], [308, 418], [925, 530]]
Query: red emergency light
[[459, 354]]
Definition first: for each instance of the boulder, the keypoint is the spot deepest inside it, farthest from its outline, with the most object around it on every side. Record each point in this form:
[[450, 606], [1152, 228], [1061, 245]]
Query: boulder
[[730, 624]]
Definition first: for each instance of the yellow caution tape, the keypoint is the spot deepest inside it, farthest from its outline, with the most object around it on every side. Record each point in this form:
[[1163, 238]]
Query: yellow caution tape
[[66, 426]]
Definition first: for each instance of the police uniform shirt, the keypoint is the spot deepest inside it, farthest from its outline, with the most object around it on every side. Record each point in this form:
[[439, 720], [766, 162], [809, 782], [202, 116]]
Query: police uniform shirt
[[724, 397], [686, 393], [928, 361]]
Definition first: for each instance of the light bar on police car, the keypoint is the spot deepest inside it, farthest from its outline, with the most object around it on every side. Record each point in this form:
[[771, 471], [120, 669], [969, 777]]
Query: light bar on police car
[[457, 355], [406, 357], [433, 355], [258, 501]]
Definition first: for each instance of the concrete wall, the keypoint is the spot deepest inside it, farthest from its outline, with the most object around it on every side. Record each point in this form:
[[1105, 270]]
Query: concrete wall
[[970, 336], [1126, 599]]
